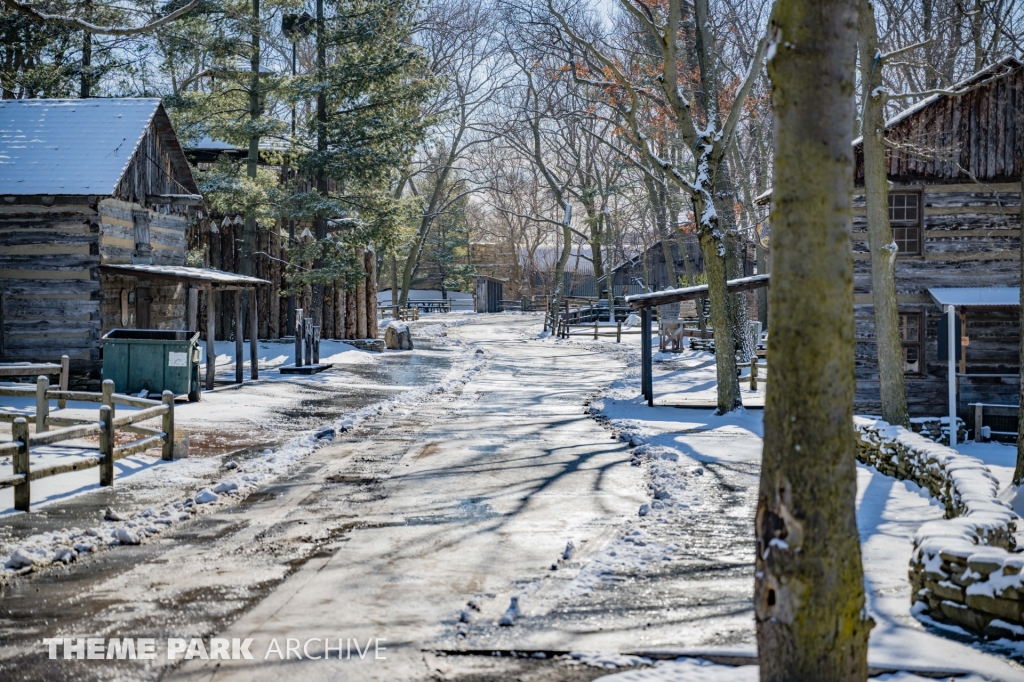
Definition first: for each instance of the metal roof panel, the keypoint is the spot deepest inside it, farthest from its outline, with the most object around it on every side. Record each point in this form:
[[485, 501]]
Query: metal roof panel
[[69, 146]]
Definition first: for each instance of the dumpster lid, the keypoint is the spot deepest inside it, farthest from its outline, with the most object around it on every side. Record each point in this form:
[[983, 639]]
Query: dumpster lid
[[151, 334]]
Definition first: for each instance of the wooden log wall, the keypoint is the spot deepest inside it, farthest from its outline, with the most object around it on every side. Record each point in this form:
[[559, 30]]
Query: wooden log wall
[[971, 239], [223, 252], [49, 278]]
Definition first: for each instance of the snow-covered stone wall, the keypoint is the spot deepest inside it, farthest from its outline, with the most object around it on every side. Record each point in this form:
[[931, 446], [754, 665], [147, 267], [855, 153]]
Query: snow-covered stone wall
[[964, 569]]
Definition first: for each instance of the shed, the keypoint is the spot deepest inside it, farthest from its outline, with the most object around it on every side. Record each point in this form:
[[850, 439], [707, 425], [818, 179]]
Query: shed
[[488, 294], [96, 197]]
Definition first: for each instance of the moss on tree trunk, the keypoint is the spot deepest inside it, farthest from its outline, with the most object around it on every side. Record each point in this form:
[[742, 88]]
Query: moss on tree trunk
[[808, 590]]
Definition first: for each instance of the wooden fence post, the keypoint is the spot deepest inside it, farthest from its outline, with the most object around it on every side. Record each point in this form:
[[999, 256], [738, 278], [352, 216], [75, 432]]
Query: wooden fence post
[[753, 373], [168, 426], [316, 345], [979, 417], [618, 332], [42, 403], [22, 491], [595, 329], [65, 370], [106, 446], [107, 390]]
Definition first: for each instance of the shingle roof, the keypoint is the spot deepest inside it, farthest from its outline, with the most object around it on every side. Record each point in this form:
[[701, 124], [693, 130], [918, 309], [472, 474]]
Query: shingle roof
[[69, 146]]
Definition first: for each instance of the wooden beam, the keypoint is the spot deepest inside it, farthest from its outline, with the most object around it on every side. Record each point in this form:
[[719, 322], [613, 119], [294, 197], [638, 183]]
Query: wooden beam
[[239, 358], [254, 332], [734, 286], [211, 355]]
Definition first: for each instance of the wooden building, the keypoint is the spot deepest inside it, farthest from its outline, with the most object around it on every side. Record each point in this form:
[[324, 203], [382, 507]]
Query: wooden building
[[648, 271], [955, 197], [96, 200]]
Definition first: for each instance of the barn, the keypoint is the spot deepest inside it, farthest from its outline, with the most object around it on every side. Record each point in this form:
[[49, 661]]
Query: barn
[[95, 199]]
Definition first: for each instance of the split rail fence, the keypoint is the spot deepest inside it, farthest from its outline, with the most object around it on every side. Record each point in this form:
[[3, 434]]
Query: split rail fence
[[79, 424]]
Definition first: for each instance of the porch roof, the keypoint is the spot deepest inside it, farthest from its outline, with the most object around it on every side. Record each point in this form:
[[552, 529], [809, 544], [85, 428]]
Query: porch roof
[[217, 279], [977, 297]]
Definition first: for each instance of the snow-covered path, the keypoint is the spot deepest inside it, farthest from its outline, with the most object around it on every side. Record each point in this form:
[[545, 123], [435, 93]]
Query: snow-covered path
[[419, 527]]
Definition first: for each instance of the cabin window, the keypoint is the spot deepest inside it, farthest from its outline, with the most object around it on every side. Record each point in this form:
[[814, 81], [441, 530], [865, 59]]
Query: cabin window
[[905, 219], [912, 335]]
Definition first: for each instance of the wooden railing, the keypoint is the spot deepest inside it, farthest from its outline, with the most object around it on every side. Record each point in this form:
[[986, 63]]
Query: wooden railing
[[106, 427]]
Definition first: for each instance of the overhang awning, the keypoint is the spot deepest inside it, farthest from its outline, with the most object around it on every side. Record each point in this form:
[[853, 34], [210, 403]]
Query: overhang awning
[[217, 279], [977, 297], [692, 293]]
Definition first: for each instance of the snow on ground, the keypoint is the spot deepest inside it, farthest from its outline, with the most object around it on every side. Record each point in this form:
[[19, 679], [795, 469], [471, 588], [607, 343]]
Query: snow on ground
[[236, 481], [670, 440]]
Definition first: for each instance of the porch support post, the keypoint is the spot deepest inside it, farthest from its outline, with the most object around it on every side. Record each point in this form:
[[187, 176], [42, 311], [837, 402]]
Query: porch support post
[[646, 359], [211, 326], [254, 330], [951, 356], [239, 358]]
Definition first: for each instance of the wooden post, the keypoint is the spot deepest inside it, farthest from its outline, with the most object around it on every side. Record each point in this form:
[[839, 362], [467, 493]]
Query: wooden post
[[106, 446], [239, 360], [646, 359], [316, 345], [193, 308], [42, 403], [107, 395], [298, 337], [979, 416], [618, 332], [595, 329], [211, 324], [307, 334], [22, 491], [370, 265], [65, 371], [168, 426], [254, 333], [753, 372]]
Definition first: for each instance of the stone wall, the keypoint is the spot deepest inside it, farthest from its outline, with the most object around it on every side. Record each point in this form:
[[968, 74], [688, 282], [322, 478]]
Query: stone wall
[[964, 569]]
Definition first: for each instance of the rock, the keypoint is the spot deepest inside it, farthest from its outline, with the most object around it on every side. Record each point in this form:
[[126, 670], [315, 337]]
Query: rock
[[645, 509], [231, 465], [111, 515], [398, 337]]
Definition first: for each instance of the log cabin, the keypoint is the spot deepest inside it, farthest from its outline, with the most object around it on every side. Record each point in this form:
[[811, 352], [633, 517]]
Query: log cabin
[[954, 168], [95, 199]]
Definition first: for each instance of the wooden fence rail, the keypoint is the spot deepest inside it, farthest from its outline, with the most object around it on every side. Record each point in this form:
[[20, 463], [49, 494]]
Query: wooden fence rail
[[105, 427]]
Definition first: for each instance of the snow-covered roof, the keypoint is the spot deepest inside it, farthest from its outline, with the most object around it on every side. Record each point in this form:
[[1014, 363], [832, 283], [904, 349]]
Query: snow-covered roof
[[69, 146], [976, 296], [216, 277], [666, 296]]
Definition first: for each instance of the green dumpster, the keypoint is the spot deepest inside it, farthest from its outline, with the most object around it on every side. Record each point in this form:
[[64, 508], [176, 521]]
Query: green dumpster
[[153, 360]]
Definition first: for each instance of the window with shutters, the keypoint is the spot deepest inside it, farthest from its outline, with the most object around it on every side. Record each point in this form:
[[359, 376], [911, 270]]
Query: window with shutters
[[143, 252]]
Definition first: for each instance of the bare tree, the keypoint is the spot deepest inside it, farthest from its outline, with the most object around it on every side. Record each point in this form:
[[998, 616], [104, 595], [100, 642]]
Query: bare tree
[[809, 587]]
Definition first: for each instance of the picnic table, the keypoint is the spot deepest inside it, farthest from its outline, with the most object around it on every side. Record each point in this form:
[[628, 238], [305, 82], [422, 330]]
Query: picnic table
[[438, 305]]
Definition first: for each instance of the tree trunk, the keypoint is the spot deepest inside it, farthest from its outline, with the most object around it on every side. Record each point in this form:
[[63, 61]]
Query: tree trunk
[[370, 260], [320, 221], [809, 583], [563, 258], [880, 242], [718, 293], [1018, 472]]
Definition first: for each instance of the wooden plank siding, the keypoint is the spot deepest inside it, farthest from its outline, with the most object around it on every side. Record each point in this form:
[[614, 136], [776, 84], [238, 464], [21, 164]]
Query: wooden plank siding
[[971, 238]]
